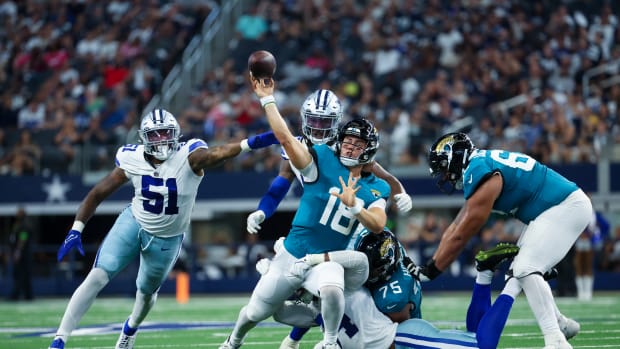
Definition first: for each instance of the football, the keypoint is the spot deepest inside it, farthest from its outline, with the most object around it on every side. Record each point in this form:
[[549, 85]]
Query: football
[[262, 64]]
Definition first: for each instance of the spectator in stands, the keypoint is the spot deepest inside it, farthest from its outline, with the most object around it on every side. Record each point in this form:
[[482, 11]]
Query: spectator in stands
[[24, 157], [67, 139], [32, 116], [20, 241]]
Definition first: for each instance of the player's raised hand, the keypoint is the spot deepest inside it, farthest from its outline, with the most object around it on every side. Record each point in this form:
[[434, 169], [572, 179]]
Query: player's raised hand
[[347, 196], [73, 239], [403, 202], [263, 87]]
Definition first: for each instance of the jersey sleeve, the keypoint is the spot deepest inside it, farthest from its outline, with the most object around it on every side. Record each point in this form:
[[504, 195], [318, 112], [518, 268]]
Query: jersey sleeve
[[195, 143], [477, 170], [126, 158]]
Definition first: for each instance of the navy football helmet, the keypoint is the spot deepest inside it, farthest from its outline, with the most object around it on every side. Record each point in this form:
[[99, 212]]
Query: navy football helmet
[[364, 130], [383, 252], [448, 157]]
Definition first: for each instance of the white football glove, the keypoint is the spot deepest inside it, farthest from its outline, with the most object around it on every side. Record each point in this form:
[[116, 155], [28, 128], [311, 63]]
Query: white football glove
[[279, 244], [403, 202], [299, 269], [254, 221], [314, 258], [262, 266]]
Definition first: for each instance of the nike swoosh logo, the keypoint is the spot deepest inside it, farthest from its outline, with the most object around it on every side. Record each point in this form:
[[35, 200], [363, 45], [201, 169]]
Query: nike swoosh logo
[[471, 178], [391, 306], [165, 249]]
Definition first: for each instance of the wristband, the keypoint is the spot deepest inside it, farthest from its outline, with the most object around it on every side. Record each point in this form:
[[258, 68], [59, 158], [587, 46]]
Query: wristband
[[358, 207], [264, 101], [245, 147], [78, 226]]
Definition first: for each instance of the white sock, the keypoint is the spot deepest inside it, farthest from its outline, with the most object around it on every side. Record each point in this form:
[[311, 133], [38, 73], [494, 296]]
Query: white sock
[[588, 285], [512, 288], [332, 310], [141, 307], [242, 327], [580, 287], [541, 302], [80, 302], [484, 277]]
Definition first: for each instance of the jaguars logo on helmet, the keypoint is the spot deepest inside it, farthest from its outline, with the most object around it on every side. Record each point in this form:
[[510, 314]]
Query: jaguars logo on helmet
[[383, 254], [447, 158]]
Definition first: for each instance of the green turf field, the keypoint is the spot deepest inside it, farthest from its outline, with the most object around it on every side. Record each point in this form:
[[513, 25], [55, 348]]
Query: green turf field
[[206, 321]]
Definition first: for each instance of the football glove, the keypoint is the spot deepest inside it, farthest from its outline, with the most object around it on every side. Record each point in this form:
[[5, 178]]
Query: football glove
[[73, 239], [299, 269], [423, 273], [279, 244], [254, 221], [262, 266], [403, 202]]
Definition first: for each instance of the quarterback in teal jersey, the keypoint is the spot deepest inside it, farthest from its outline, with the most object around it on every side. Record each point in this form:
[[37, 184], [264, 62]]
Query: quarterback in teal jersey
[[337, 198], [554, 209]]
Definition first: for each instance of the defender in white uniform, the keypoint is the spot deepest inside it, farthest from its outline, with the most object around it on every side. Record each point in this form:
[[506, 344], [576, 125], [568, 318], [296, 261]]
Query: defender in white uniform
[[165, 175]]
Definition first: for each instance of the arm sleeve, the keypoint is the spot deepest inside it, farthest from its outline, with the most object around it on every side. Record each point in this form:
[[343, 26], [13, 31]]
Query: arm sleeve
[[274, 195], [349, 259]]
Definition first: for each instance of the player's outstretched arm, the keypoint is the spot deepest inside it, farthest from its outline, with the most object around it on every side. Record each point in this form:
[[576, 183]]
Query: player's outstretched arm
[[272, 198], [468, 222], [401, 198], [297, 152], [95, 196], [212, 157]]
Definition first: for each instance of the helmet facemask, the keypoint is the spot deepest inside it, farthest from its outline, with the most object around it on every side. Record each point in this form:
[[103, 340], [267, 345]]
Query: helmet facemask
[[321, 113], [160, 133]]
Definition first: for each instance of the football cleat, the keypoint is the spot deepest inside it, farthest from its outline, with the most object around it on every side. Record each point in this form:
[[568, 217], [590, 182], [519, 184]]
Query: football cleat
[[491, 258], [228, 345], [568, 326], [289, 343], [57, 344], [331, 346], [126, 341]]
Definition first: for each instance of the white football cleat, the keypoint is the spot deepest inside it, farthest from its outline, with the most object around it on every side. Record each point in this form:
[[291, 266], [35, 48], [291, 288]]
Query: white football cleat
[[289, 343], [228, 345], [568, 326], [126, 341]]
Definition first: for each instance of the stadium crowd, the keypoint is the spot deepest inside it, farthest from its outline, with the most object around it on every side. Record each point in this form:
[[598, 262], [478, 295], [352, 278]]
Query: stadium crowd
[[77, 74]]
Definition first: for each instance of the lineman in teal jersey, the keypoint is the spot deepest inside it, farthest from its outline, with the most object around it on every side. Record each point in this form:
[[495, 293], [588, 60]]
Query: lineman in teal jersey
[[329, 212], [395, 292], [555, 210]]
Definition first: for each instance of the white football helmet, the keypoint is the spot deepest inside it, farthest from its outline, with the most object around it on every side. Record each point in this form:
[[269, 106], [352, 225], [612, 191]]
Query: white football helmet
[[321, 113], [160, 133]]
